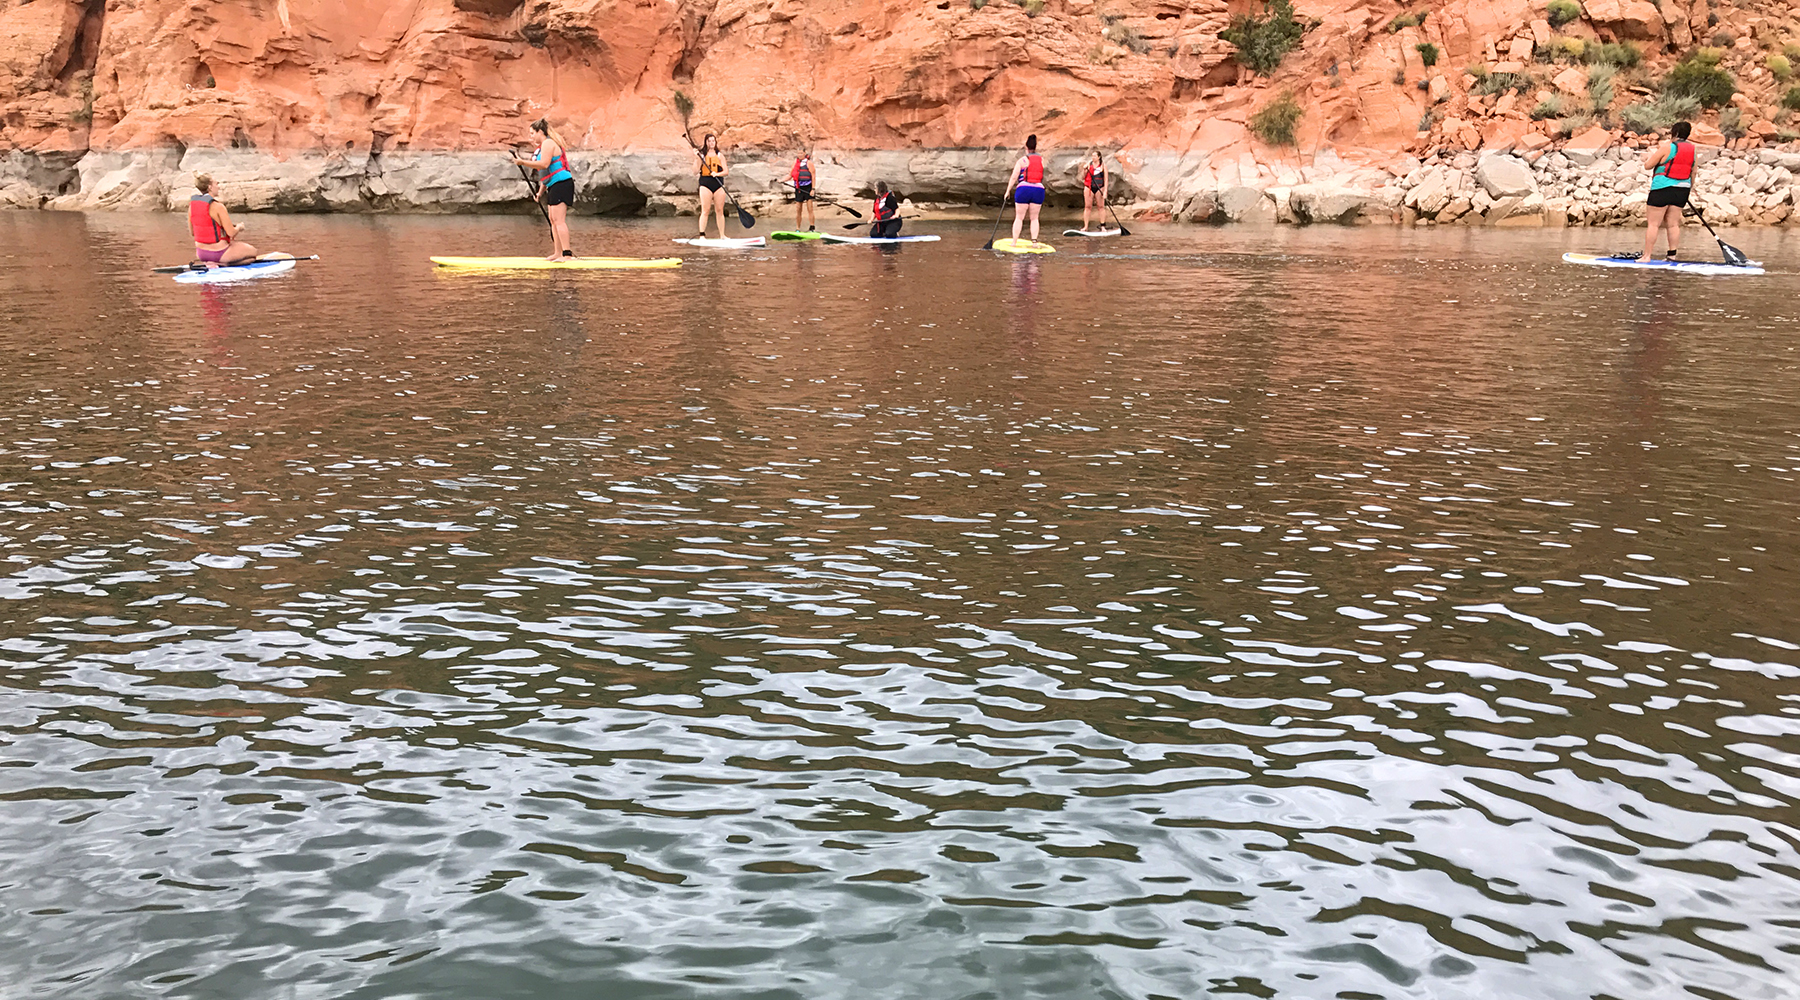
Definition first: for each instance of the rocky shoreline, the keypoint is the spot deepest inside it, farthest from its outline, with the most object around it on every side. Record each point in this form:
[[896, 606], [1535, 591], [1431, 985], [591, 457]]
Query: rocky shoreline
[[1596, 184]]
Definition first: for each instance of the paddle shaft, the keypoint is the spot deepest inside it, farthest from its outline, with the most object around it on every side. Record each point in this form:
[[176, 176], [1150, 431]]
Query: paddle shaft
[[1122, 230], [203, 267], [854, 225], [989, 245], [535, 199], [827, 201]]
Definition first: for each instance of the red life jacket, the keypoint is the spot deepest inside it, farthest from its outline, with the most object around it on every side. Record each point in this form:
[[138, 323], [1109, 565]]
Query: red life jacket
[[1679, 167], [803, 176], [1034, 170], [1094, 178], [201, 223], [886, 207]]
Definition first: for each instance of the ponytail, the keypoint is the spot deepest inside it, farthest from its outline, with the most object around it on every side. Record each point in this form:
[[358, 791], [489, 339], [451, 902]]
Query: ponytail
[[542, 127]]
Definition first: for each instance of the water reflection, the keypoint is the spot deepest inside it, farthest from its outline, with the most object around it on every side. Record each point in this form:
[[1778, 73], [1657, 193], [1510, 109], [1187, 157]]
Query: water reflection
[[1334, 613]]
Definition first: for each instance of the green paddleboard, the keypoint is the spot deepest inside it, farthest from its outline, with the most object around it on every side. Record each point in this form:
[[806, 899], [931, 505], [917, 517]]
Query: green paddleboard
[[789, 235]]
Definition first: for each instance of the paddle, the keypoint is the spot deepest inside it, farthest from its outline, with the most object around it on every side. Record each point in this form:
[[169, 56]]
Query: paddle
[[1733, 256], [828, 201], [1122, 230], [855, 225], [989, 245], [264, 259], [535, 199]]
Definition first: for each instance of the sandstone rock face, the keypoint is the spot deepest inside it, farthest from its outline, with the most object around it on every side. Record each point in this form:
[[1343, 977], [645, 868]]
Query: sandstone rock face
[[352, 105], [1505, 176]]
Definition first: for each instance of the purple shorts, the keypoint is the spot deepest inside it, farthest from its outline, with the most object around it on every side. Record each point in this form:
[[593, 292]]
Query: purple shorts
[[212, 256], [1028, 194]]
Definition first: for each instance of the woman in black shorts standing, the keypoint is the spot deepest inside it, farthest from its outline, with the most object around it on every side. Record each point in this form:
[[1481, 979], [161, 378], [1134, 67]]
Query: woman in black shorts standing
[[552, 162], [1670, 186], [712, 182]]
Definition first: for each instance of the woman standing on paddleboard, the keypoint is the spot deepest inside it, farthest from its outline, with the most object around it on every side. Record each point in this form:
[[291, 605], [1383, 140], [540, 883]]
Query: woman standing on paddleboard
[[1093, 191], [215, 235], [558, 184], [1670, 186], [1028, 184], [712, 182], [802, 179]]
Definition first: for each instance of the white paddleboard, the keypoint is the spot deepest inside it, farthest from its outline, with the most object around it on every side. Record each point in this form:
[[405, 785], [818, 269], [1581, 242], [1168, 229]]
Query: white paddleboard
[[923, 238], [1092, 232], [1686, 266], [236, 272], [724, 244]]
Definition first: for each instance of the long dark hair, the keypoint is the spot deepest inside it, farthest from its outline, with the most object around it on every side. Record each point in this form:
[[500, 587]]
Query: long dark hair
[[709, 138], [1031, 143]]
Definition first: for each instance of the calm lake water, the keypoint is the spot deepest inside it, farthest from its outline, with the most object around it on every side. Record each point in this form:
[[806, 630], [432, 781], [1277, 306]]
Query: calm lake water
[[1326, 613]]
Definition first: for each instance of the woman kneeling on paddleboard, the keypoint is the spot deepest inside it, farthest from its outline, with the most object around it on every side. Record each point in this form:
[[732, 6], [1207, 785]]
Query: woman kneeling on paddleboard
[[887, 221], [215, 236], [1028, 180], [712, 182], [1093, 191], [1669, 188], [558, 183]]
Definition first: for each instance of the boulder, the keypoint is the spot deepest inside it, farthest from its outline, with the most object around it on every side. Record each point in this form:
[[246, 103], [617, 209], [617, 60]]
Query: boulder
[[1707, 135], [1432, 192], [1588, 146], [1505, 176], [1315, 203], [1572, 81], [1246, 204]]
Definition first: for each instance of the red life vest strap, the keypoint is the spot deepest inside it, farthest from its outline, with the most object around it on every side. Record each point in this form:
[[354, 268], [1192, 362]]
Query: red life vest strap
[[1679, 167]]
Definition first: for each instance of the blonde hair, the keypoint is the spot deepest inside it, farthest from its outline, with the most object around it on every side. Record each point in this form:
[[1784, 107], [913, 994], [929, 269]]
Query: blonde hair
[[203, 183], [542, 125]]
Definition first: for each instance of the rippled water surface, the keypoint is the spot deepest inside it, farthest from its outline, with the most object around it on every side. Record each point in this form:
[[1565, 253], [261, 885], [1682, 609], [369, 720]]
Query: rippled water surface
[[1304, 614]]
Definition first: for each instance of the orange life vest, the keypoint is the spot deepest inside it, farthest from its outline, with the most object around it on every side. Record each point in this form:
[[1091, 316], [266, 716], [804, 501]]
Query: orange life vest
[[1034, 171]]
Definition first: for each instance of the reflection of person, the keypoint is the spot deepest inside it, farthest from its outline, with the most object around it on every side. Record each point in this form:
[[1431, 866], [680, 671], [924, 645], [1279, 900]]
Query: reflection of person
[[887, 221], [712, 182], [215, 235], [1026, 188], [1669, 188], [552, 160], [1093, 191], [802, 178]]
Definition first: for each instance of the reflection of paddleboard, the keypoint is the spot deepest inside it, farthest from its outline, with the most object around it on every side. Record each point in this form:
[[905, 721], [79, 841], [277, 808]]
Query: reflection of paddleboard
[[1022, 246], [1690, 266], [724, 244], [1092, 232], [565, 264], [788, 234], [924, 238], [236, 272]]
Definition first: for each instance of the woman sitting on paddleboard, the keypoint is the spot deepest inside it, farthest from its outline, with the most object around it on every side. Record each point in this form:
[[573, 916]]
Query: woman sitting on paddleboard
[[1093, 191], [215, 236], [1669, 188], [1026, 188], [886, 214], [558, 181], [712, 182]]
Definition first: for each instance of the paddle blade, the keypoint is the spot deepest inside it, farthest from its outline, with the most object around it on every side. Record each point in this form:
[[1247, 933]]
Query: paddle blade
[[746, 220], [1733, 255], [172, 270], [847, 208], [854, 225]]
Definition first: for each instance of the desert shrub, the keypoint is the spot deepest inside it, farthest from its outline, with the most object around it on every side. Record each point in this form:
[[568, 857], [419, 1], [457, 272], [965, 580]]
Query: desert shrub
[[1549, 107], [1600, 87], [1034, 7], [1563, 48], [1731, 123], [1428, 53], [1404, 21], [1500, 83], [1566, 127], [1652, 116], [1791, 99], [1261, 42], [1274, 124], [1700, 77], [1400, 77], [1792, 52], [1724, 40], [1781, 66], [1563, 11], [1623, 55], [977, 4], [1126, 35]]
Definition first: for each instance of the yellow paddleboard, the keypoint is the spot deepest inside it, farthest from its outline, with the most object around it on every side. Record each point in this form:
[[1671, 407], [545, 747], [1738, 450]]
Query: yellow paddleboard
[[1022, 246], [566, 264]]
